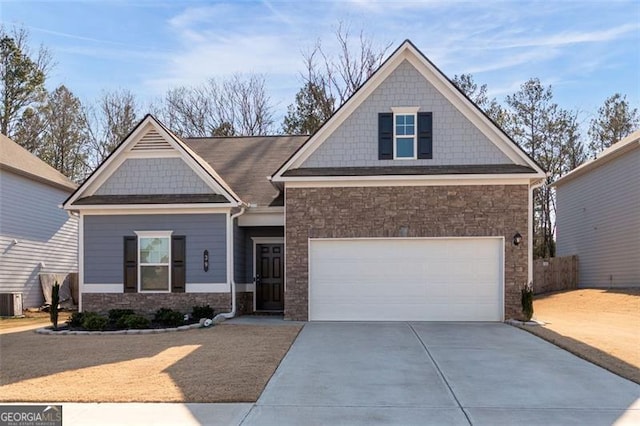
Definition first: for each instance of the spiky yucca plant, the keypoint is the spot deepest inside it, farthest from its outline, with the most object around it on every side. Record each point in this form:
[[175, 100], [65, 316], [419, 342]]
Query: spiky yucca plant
[[55, 299]]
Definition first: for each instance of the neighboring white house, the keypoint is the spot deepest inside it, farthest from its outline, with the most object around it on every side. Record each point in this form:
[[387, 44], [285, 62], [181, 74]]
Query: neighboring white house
[[36, 236], [598, 216]]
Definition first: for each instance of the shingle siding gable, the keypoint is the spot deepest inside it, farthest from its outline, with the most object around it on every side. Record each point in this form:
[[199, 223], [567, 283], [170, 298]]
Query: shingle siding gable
[[153, 176], [455, 139]]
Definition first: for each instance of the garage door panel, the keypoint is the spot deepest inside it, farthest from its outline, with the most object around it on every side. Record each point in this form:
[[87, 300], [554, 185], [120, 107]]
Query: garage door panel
[[406, 279]]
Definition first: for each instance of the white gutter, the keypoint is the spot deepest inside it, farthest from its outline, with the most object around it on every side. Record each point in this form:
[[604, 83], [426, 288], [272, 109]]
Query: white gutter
[[230, 268]]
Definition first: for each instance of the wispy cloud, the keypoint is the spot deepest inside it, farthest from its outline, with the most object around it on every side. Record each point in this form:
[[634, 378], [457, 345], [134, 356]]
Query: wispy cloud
[[514, 59], [573, 37], [159, 44]]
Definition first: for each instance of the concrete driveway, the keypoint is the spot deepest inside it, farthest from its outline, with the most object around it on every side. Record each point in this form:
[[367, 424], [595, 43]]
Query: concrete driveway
[[438, 373]]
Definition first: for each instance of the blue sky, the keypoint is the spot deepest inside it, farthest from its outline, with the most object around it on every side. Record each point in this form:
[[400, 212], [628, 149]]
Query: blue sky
[[587, 50]]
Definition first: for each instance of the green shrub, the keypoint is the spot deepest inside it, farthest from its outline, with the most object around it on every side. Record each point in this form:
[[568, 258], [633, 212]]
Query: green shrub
[[199, 312], [94, 322], [169, 317], [116, 314], [76, 319], [133, 321], [55, 301], [526, 299]]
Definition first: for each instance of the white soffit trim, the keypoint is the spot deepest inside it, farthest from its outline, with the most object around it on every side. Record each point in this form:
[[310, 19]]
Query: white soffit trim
[[124, 151], [421, 180], [153, 209], [103, 288], [408, 52], [207, 288], [262, 219]]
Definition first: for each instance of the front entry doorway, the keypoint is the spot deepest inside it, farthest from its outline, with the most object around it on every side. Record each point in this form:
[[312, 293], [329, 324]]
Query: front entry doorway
[[269, 277]]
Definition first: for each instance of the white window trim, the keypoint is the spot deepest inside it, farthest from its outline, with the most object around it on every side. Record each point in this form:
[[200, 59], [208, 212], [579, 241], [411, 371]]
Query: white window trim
[[406, 111], [154, 234]]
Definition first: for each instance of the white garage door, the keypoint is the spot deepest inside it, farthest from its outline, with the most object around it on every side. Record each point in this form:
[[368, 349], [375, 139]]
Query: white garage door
[[457, 279]]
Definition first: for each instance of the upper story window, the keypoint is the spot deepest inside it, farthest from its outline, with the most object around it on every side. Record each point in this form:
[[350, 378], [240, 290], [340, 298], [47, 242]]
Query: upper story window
[[405, 134], [404, 145]]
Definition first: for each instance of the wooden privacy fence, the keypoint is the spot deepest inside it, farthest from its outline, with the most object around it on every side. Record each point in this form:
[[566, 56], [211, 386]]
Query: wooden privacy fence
[[555, 274]]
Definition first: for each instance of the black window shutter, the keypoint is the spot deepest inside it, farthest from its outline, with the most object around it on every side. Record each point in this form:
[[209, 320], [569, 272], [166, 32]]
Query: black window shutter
[[130, 264], [178, 263], [385, 136], [425, 135]]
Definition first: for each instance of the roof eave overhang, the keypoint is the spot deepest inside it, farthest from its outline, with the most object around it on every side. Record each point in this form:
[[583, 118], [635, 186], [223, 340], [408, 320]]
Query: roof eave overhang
[[594, 164], [39, 179], [204, 206], [413, 177]]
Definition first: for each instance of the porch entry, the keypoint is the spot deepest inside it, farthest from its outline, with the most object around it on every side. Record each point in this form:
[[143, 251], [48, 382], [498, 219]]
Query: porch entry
[[269, 277]]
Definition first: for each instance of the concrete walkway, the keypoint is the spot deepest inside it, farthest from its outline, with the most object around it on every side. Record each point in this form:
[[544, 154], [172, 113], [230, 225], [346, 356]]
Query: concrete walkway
[[406, 374]]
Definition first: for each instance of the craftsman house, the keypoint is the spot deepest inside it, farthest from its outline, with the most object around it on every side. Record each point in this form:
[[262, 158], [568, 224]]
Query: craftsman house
[[407, 204]]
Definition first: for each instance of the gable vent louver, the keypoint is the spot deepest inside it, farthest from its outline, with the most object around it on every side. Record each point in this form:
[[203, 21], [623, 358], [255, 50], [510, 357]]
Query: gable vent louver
[[152, 140]]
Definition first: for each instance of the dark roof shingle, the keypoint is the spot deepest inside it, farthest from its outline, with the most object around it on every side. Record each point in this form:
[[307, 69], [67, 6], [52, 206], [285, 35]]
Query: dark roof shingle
[[151, 199], [246, 162]]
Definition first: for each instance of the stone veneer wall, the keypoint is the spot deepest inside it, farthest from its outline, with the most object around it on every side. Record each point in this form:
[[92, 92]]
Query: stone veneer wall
[[149, 303], [419, 211]]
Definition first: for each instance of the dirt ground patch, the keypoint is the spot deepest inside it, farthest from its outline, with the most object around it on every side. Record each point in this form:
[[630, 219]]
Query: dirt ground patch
[[601, 326], [32, 318], [226, 363]]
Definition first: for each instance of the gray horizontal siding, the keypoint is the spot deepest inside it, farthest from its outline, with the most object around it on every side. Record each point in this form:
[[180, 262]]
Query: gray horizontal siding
[[598, 219], [455, 139], [154, 176], [29, 213], [103, 244]]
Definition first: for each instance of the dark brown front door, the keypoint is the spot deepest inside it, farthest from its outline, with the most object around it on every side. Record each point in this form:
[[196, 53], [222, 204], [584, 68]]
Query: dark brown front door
[[269, 277]]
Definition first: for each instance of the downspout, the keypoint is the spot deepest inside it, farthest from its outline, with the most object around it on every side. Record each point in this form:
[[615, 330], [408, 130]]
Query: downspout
[[533, 185], [230, 267]]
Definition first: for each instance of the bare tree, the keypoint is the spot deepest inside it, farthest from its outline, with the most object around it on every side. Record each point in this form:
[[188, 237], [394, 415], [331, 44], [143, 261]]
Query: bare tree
[[329, 78], [23, 75], [238, 105], [354, 63], [109, 122]]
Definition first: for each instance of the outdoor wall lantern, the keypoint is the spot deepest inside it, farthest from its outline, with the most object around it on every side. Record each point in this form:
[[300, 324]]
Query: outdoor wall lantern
[[517, 239]]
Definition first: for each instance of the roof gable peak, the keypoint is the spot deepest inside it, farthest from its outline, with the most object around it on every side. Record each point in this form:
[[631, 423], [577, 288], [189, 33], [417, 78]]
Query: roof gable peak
[[151, 139], [409, 52]]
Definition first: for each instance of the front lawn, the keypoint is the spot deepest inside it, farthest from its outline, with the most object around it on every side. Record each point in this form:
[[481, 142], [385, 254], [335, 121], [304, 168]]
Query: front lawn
[[225, 363]]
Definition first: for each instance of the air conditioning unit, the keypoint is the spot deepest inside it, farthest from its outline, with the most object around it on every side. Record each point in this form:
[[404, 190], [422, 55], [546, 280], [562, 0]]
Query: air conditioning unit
[[10, 304]]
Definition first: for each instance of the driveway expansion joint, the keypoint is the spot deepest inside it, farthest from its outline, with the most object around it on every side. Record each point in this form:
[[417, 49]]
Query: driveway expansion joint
[[466, 415]]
